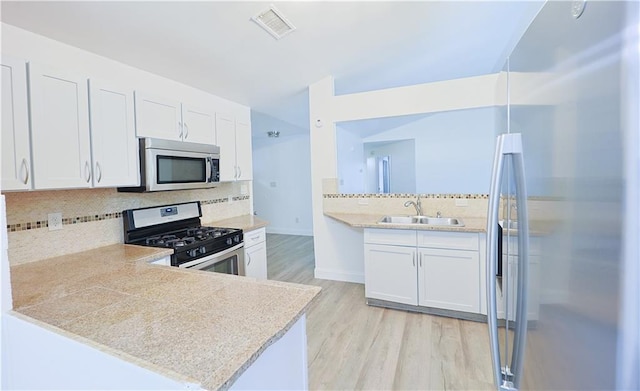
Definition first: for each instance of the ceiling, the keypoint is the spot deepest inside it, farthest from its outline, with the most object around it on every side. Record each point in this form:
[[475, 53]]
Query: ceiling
[[216, 47]]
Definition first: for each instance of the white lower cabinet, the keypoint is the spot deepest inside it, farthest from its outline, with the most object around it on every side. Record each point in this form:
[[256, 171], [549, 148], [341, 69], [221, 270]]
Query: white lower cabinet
[[255, 254], [449, 279], [508, 288], [390, 273], [446, 275]]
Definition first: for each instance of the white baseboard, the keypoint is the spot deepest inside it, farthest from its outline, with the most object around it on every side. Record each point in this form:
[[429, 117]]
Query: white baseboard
[[339, 275], [289, 231]]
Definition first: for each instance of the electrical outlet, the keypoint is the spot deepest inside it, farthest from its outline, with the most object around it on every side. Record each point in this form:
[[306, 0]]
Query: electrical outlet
[[244, 190], [297, 219], [55, 221], [462, 202]]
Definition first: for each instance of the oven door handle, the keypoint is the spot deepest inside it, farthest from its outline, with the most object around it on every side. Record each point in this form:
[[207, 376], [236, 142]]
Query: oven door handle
[[212, 256]]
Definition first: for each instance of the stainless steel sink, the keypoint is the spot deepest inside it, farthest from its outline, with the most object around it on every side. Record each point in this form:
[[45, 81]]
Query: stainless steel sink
[[400, 219], [441, 221], [422, 220]]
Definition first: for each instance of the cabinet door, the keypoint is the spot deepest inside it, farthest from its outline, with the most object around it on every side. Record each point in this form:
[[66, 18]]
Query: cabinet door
[[244, 158], [449, 279], [199, 125], [114, 145], [59, 129], [226, 140], [16, 148], [158, 117], [390, 273], [255, 261], [533, 292]]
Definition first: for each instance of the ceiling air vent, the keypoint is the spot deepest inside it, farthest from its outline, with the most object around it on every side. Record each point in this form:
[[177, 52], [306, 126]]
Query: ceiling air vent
[[274, 22]]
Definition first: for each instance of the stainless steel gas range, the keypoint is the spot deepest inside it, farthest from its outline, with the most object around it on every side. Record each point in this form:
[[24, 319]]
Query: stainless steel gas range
[[178, 226]]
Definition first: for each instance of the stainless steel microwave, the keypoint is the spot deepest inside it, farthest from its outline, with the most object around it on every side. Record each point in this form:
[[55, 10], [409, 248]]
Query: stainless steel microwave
[[176, 165]]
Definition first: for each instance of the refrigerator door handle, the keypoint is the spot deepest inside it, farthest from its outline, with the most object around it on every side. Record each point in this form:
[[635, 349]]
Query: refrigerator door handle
[[506, 145], [520, 333]]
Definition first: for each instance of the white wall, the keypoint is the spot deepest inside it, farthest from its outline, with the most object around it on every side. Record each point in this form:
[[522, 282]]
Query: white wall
[[351, 164], [339, 250], [402, 164], [453, 150], [281, 176]]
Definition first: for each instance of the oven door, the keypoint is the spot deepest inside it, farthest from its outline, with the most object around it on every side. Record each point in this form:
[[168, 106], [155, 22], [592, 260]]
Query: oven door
[[229, 261]]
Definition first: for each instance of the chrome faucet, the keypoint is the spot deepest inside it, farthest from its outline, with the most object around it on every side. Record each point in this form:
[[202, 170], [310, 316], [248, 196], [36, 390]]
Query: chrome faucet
[[416, 204], [438, 214]]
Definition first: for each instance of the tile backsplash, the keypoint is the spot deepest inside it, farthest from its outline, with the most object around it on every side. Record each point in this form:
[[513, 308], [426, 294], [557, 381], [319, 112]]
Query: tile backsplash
[[457, 205], [93, 217]]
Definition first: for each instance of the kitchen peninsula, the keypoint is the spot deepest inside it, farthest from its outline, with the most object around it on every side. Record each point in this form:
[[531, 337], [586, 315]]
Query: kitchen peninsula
[[200, 330]]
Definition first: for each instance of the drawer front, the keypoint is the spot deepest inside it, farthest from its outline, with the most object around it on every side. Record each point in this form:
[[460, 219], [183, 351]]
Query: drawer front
[[448, 240], [254, 237], [395, 237]]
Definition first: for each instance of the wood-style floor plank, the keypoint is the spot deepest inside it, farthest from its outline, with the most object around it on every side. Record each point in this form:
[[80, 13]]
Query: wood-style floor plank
[[354, 346]]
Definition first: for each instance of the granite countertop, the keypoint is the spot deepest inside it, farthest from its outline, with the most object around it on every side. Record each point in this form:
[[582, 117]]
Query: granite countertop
[[244, 222], [192, 326], [471, 224]]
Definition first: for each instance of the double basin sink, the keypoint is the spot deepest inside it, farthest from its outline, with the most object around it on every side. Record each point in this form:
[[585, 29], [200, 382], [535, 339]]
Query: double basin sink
[[422, 220]]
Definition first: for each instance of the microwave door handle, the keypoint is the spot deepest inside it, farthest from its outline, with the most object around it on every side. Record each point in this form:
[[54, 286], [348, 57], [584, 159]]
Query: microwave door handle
[[209, 170]]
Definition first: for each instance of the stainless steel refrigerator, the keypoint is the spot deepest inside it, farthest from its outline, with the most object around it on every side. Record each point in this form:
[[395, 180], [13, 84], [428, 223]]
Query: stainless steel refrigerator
[[563, 290]]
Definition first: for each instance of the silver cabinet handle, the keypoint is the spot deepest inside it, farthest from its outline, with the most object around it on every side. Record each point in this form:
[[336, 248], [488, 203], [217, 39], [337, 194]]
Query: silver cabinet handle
[[24, 167], [420, 259], [413, 259], [87, 171], [180, 129], [239, 172], [186, 130], [98, 172], [507, 145], [249, 261]]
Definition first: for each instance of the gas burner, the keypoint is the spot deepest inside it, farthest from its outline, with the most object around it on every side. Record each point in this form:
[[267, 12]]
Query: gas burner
[[161, 240], [180, 242]]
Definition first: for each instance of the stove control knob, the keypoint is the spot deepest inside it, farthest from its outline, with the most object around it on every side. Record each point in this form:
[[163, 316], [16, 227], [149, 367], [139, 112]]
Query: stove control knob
[[202, 249], [236, 238], [229, 241], [193, 252]]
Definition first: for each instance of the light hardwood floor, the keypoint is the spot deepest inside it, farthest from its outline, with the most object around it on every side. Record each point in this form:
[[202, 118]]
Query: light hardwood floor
[[354, 346]]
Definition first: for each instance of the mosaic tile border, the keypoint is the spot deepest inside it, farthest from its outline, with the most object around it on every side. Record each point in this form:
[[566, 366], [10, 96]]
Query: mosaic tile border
[[105, 216], [407, 195]]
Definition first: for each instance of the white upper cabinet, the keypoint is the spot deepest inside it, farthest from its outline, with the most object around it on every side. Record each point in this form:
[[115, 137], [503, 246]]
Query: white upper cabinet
[[171, 120], [59, 129], [16, 148], [114, 146], [234, 139], [198, 125], [244, 159], [226, 140], [158, 117]]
